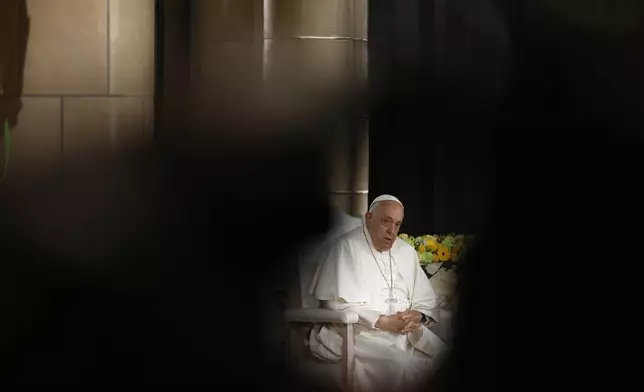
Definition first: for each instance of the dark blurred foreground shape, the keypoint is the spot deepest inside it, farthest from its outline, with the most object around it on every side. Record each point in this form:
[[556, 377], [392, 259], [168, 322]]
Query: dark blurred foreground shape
[[549, 297], [559, 264], [150, 267], [14, 31], [134, 270]]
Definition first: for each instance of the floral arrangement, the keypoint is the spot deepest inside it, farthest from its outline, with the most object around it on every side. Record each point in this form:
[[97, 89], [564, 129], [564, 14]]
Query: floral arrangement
[[438, 248]]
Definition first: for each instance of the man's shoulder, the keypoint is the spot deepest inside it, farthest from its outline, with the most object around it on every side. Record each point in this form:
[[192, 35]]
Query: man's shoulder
[[342, 248], [403, 246], [405, 249]]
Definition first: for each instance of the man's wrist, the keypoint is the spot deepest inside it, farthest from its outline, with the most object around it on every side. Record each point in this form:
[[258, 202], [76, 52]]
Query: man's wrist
[[427, 321]]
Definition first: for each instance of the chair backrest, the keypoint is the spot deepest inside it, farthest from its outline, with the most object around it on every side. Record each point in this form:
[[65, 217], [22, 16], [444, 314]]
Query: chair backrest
[[315, 253]]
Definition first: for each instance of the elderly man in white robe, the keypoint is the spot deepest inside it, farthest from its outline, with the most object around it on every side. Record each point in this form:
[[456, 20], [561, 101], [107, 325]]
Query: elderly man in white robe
[[379, 277]]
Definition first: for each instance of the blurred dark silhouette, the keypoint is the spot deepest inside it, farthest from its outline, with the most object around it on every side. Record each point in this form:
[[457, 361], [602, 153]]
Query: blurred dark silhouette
[[14, 33], [549, 299], [149, 269]]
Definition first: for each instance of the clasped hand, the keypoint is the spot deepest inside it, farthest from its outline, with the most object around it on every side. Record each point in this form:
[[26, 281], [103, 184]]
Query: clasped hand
[[401, 322]]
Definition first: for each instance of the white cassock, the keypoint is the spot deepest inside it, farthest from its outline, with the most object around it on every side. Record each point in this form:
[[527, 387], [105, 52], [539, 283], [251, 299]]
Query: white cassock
[[355, 276]]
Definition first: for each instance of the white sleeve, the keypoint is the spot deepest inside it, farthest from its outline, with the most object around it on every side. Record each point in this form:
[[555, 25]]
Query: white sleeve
[[424, 298], [366, 313]]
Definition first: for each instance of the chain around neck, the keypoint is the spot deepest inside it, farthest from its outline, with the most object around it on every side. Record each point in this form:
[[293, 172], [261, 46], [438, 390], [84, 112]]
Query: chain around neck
[[389, 285]]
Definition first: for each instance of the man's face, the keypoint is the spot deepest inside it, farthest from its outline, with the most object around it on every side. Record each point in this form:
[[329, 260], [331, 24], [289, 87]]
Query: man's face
[[383, 224]]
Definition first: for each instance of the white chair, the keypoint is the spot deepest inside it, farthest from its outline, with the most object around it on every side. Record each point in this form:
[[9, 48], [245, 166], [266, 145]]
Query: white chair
[[304, 313]]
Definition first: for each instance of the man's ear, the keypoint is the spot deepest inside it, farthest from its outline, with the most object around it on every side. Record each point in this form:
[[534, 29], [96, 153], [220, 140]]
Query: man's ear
[[368, 215]]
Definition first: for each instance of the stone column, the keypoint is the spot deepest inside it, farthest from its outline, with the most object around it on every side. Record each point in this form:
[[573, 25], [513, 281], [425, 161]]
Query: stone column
[[226, 58], [86, 84], [315, 46]]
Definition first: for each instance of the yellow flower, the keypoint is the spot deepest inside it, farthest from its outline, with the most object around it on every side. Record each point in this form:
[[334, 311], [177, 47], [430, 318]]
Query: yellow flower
[[422, 249], [455, 253], [431, 244], [403, 236], [443, 253]]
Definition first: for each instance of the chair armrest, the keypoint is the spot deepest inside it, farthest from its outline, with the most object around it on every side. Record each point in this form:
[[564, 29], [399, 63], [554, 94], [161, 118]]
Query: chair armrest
[[320, 316]]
